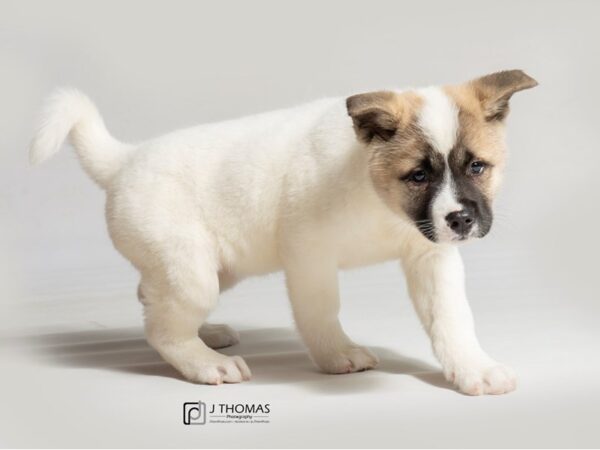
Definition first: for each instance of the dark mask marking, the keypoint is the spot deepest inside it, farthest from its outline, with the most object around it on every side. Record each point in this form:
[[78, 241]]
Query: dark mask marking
[[421, 198], [468, 188]]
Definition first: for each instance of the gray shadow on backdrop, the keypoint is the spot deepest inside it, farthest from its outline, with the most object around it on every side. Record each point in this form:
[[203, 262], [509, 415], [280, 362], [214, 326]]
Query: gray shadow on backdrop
[[275, 355]]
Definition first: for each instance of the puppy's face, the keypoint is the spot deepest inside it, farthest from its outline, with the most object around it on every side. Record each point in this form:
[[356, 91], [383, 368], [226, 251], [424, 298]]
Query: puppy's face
[[437, 154]]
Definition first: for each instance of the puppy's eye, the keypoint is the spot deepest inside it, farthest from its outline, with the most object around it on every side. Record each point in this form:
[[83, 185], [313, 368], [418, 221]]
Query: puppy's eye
[[477, 167], [418, 176]]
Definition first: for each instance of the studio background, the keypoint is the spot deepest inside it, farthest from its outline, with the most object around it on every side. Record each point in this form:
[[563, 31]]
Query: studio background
[[75, 368]]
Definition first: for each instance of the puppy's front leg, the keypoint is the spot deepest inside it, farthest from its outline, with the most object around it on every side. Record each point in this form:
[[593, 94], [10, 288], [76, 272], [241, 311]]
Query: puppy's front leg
[[436, 283], [313, 289]]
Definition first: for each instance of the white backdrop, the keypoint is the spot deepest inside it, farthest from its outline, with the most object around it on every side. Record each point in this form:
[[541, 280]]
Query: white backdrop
[[69, 320]]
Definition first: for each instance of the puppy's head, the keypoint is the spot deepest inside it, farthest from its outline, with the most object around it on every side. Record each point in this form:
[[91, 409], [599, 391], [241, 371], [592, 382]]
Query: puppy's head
[[437, 154]]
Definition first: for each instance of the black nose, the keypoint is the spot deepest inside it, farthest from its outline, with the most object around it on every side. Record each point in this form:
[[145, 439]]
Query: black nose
[[460, 222]]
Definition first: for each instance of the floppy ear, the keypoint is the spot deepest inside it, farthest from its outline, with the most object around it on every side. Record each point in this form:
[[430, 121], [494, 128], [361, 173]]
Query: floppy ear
[[373, 115], [495, 90]]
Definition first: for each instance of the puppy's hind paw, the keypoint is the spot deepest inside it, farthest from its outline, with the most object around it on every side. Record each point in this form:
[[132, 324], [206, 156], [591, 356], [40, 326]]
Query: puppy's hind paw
[[218, 335], [350, 359], [225, 369]]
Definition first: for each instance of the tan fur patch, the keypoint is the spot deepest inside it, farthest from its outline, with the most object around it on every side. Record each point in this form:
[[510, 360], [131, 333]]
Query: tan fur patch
[[495, 90], [483, 104], [381, 113], [397, 156], [483, 138]]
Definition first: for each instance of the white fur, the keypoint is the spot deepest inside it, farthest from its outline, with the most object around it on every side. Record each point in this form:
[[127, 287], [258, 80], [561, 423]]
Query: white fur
[[436, 283], [199, 209], [444, 203], [438, 119], [69, 112]]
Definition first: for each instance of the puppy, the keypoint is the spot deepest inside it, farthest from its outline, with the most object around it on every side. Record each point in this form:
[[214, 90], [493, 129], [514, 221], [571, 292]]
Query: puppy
[[328, 185]]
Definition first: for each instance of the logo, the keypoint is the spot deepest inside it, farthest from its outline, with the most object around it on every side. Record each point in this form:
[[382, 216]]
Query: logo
[[199, 413], [194, 413]]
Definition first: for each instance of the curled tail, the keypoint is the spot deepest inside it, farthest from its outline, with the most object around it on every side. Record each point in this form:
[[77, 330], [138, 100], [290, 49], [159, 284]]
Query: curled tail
[[68, 112]]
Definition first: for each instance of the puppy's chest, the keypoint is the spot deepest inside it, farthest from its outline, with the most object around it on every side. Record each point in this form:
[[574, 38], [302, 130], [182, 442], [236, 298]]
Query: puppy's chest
[[362, 243]]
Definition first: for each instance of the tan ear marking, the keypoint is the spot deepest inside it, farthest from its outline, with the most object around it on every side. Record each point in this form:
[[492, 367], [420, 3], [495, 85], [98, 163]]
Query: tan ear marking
[[373, 115], [495, 90]]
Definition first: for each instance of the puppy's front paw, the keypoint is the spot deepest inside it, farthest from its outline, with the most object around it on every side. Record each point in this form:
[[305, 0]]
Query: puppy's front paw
[[483, 378], [351, 358]]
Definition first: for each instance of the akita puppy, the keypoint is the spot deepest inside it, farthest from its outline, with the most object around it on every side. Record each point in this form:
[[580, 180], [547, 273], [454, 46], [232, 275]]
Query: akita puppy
[[332, 184]]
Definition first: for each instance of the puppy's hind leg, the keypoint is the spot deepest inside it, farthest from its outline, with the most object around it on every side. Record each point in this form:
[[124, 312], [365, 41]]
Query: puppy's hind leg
[[215, 335], [178, 294], [220, 335]]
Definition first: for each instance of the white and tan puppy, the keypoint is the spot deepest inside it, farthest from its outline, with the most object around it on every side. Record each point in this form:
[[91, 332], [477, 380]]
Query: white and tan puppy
[[329, 185]]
